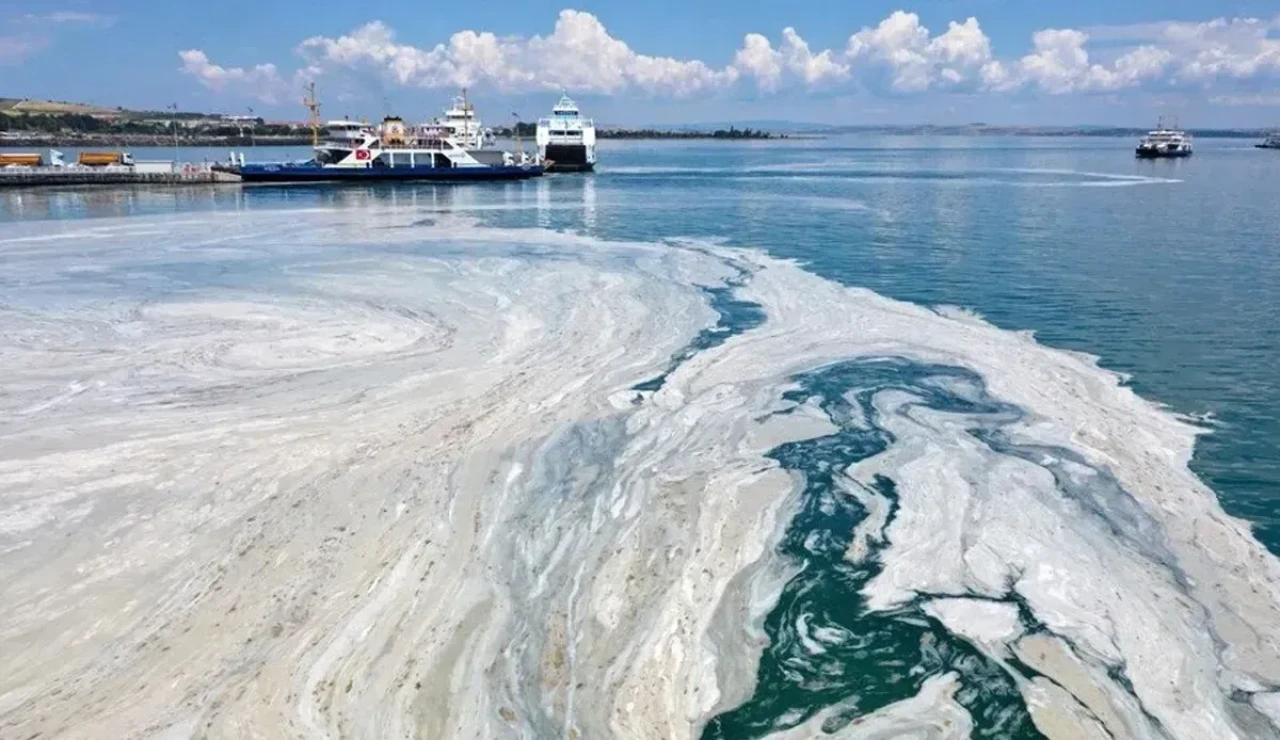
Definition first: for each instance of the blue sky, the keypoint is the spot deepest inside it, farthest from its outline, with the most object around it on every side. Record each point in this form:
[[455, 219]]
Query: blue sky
[[661, 61]]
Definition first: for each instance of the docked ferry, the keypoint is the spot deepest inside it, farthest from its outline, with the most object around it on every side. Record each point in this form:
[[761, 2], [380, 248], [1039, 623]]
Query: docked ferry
[[1164, 143], [462, 125], [452, 148], [566, 140]]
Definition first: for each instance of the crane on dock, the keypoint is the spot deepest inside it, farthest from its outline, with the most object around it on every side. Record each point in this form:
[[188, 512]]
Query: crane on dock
[[313, 105]]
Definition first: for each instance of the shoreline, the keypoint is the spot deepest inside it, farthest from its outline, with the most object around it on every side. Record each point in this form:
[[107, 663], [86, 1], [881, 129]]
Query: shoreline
[[217, 141], [159, 142], [214, 141], [81, 141]]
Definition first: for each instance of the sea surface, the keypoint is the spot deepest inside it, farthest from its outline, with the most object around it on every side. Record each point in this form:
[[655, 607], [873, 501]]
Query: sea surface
[[1167, 272]]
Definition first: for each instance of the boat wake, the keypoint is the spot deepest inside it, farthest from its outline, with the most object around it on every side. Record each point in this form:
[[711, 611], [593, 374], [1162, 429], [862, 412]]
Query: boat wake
[[294, 474]]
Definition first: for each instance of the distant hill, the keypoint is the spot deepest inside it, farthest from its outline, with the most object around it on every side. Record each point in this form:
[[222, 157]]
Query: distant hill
[[55, 107], [40, 123], [980, 129], [31, 107], [774, 125], [56, 116]]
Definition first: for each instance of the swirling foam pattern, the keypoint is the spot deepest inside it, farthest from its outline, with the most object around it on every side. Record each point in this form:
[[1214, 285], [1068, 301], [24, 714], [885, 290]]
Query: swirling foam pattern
[[341, 474]]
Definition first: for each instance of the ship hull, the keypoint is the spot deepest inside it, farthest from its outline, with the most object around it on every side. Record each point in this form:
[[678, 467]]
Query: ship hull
[[1158, 154], [287, 173], [558, 167], [568, 158]]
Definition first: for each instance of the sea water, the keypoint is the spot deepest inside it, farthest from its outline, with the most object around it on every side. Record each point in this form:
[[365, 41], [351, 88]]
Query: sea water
[[135, 310]]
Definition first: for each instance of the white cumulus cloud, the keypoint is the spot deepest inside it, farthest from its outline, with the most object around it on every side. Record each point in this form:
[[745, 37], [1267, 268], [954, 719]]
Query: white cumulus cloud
[[1060, 64], [758, 59], [963, 45], [900, 43], [899, 53], [812, 68], [916, 60], [1237, 48], [1167, 52], [579, 54], [261, 81]]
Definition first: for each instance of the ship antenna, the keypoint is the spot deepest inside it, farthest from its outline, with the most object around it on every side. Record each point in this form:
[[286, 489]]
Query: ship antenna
[[519, 145]]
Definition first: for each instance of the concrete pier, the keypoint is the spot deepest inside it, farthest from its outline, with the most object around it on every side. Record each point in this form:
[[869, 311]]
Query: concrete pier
[[114, 175]]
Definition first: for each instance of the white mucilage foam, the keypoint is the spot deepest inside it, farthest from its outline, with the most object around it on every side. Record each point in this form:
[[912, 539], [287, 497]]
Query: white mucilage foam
[[338, 474]]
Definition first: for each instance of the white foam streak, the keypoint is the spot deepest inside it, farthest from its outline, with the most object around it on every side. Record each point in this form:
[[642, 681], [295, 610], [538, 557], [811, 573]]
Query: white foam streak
[[989, 624], [372, 478], [932, 714]]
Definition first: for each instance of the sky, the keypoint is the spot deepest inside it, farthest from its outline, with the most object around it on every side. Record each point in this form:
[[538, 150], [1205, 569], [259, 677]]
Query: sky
[[1105, 62]]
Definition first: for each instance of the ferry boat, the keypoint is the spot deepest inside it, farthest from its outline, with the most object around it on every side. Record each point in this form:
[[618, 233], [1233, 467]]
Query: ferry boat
[[448, 149], [1164, 143], [566, 140], [1272, 141], [462, 125]]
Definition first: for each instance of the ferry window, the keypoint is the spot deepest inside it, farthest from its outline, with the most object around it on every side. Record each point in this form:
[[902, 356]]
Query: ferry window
[[330, 156]]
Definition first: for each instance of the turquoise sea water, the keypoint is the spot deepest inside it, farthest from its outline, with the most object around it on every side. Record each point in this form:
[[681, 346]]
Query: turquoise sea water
[[1169, 272]]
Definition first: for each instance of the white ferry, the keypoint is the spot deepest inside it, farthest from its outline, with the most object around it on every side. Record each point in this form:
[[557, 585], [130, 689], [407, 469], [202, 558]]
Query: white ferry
[[566, 140], [1164, 142], [462, 125], [1272, 141], [436, 150]]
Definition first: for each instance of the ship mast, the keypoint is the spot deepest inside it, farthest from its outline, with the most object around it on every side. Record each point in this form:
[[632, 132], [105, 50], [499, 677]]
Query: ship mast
[[313, 105]]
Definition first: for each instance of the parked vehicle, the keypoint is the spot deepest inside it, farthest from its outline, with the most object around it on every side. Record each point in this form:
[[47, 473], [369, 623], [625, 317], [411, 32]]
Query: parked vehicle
[[104, 159]]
